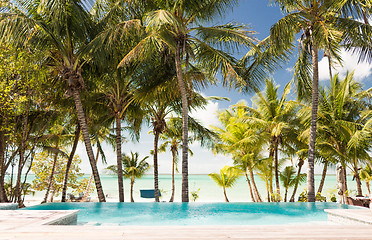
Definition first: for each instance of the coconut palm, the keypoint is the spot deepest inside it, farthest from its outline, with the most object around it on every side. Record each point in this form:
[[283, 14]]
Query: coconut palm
[[175, 28], [226, 178], [62, 30], [55, 139], [133, 168], [322, 26], [242, 141], [119, 94], [342, 128], [366, 175], [289, 178], [172, 137], [275, 117]]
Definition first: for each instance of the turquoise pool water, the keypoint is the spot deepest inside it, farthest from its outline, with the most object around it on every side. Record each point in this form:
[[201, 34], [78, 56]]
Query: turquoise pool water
[[195, 213]]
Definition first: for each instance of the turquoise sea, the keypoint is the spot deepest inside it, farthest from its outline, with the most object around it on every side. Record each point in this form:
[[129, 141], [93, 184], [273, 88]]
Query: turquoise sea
[[209, 191]]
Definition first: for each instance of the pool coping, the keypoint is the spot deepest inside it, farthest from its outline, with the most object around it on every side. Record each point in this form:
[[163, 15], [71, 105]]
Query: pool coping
[[16, 219], [350, 216], [38, 224]]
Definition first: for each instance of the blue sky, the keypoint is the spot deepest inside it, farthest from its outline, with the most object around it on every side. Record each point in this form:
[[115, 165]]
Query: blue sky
[[260, 16]]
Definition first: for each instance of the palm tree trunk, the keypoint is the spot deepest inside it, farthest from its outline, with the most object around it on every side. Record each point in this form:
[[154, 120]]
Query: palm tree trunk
[[52, 192], [224, 193], [285, 194], [131, 188], [324, 173], [3, 197], [88, 145], [277, 183], [345, 181], [173, 168], [312, 138], [51, 176], [300, 164], [156, 174], [368, 188], [119, 161], [271, 189], [255, 190], [86, 193], [18, 190], [268, 190], [357, 179], [183, 91], [250, 186], [69, 162]]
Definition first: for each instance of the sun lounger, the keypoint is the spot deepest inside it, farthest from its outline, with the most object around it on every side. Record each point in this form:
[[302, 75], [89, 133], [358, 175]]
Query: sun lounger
[[148, 193], [73, 198], [355, 202]]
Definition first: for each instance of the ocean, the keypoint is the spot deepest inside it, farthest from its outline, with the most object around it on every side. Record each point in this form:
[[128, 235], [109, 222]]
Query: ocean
[[209, 191]]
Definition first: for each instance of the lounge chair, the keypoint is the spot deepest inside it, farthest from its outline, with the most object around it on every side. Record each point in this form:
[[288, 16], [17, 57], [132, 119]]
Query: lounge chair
[[148, 193], [75, 199], [354, 202]]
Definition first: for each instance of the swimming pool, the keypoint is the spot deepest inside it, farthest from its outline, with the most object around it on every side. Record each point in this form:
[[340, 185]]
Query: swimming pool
[[110, 213]]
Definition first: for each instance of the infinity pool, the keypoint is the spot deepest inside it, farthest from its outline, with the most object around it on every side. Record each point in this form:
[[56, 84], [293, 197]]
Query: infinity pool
[[195, 213]]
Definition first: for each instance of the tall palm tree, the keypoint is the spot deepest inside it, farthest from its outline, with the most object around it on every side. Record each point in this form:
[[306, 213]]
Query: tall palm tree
[[62, 30], [119, 91], [274, 116], [322, 26], [242, 141], [226, 178], [55, 139], [172, 137], [175, 27]]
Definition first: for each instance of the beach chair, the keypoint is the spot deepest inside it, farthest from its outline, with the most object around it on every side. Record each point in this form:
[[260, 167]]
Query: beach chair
[[148, 193], [72, 198], [354, 202]]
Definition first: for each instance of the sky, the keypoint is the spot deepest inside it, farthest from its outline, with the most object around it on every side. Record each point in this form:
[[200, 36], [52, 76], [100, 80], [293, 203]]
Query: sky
[[259, 15]]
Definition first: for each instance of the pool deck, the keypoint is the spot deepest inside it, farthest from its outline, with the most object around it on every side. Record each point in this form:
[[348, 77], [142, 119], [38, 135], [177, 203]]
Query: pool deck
[[32, 225]]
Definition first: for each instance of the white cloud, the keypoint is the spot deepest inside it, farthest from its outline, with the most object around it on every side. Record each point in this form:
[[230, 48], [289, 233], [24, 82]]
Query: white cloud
[[207, 116], [350, 63]]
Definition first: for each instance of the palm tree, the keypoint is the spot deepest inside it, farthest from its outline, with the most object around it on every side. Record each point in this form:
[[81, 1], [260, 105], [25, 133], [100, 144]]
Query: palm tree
[[62, 30], [175, 28], [172, 137], [133, 168], [366, 175], [289, 179], [275, 117], [265, 172], [55, 139], [120, 93], [322, 27], [69, 161], [242, 141], [226, 178]]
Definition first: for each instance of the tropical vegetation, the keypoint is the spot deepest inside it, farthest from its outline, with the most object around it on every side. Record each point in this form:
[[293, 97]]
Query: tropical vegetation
[[100, 72]]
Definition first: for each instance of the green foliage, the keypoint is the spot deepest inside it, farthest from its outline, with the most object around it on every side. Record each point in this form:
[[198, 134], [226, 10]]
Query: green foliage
[[195, 195], [133, 167], [42, 167], [227, 177], [318, 197]]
